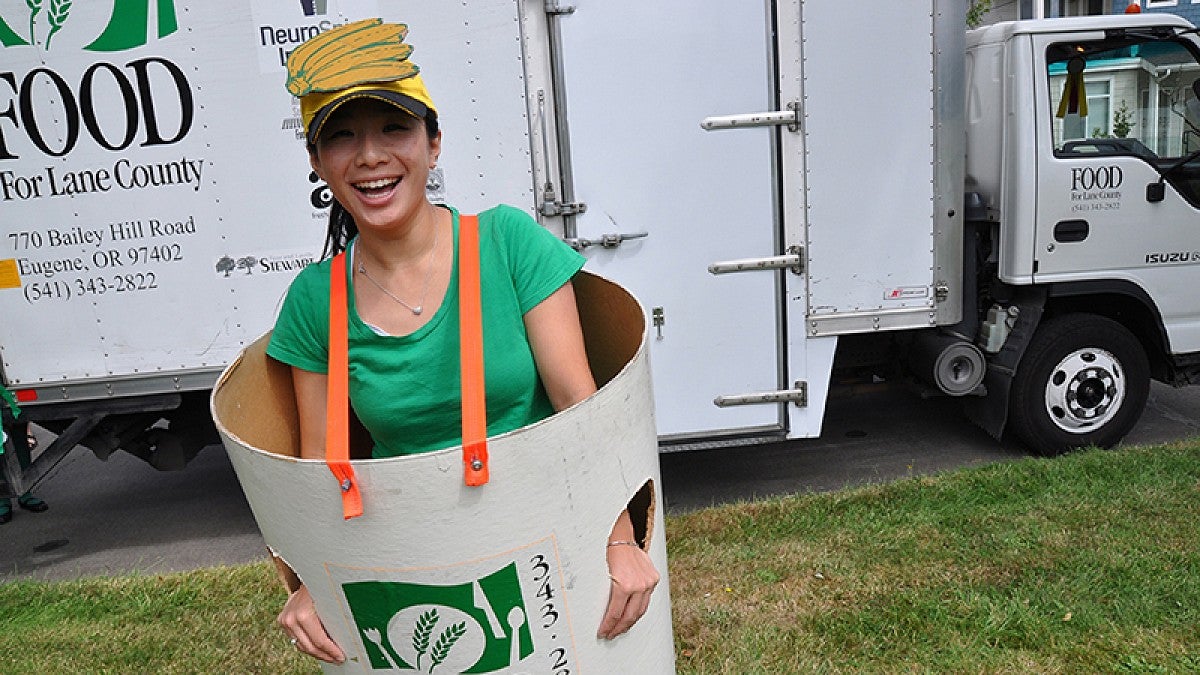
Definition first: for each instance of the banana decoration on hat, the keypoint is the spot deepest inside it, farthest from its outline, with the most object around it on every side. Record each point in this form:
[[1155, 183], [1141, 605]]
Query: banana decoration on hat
[[364, 51], [364, 59]]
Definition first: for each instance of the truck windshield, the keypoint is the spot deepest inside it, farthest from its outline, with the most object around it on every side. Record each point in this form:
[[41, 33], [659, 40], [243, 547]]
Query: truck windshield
[[1127, 95]]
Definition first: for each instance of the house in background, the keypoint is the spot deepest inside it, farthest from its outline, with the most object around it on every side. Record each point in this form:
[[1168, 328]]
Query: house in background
[[1188, 9], [1140, 100], [1010, 10], [1140, 94]]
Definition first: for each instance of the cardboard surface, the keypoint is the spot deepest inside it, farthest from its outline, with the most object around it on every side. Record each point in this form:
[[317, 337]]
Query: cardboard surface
[[438, 577]]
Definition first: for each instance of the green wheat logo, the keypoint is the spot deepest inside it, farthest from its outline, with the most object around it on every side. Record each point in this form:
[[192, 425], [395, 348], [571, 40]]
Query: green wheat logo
[[128, 27], [56, 16], [35, 7], [445, 642], [477, 626], [421, 633], [59, 11]]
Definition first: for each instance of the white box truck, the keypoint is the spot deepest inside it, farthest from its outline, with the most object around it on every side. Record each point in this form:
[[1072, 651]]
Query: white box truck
[[801, 192]]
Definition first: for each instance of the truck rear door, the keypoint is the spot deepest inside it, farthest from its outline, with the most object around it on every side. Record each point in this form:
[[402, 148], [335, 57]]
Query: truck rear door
[[639, 78], [792, 184]]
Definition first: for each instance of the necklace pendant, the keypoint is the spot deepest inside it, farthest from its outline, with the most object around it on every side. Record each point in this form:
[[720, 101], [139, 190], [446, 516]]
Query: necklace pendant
[[416, 310]]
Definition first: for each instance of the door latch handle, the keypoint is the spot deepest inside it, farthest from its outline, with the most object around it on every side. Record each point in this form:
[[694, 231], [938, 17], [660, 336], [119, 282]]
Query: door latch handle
[[612, 240], [1066, 231]]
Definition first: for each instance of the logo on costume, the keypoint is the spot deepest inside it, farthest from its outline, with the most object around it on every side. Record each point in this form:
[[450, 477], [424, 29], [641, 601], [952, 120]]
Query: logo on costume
[[474, 627], [504, 614]]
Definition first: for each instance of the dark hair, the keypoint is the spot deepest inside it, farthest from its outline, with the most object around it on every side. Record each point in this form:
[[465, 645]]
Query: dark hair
[[342, 227]]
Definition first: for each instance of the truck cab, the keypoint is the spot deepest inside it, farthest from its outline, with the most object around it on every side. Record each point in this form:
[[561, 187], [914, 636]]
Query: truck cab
[[1082, 157]]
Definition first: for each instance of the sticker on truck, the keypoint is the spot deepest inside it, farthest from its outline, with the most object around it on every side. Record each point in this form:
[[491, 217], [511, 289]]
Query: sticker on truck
[[255, 262], [8, 274]]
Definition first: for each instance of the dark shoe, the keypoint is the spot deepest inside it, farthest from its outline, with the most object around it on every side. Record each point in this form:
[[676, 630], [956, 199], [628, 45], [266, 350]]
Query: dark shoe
[[5, 511], [31, 503]]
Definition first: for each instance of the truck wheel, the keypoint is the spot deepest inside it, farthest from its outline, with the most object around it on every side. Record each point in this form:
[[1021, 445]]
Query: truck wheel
[[1083, 381]]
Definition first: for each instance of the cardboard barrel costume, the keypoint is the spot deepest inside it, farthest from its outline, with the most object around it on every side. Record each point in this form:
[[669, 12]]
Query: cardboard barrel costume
[[436, 576]]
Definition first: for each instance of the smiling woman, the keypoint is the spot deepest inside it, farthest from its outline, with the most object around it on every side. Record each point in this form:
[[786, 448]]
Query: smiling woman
[[376, 158], [429, 275]]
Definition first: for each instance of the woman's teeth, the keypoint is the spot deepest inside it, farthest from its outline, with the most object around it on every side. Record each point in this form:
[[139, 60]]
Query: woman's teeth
[[374, 185]]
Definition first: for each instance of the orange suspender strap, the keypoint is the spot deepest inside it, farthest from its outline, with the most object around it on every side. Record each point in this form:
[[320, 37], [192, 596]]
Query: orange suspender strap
[[337, 402], [474, 397]]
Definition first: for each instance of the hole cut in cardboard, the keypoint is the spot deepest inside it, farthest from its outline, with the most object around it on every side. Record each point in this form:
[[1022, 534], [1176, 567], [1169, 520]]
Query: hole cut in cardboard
[[258, 405], [641, 508]]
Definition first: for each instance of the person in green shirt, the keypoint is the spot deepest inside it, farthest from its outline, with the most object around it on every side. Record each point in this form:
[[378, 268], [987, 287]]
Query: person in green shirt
[[373, 137], [23, 442]]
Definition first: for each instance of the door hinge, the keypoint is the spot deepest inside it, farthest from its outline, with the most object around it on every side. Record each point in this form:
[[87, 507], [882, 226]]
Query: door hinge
[[775, 118], [798, 394], [555, 9], [793, 260]]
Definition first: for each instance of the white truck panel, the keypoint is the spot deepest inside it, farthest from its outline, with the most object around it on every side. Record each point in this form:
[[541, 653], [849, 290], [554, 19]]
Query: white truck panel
[[984, 118], [640, 77], [809, 357], [870, 159], [1018, 190], [144, 294], [148, 292]]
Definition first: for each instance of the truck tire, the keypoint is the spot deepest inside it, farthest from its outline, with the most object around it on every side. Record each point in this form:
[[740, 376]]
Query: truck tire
[[1083, 381]]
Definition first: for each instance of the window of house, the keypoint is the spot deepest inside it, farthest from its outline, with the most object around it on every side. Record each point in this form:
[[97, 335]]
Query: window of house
[[1098, 123], [1081, 7]]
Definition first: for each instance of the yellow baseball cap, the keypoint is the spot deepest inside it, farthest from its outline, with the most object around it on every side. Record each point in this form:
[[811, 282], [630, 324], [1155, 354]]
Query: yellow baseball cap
[[364, 59]]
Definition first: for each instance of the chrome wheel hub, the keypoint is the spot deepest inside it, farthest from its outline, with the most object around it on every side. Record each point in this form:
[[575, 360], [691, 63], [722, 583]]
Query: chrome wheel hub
[[1085, 390]]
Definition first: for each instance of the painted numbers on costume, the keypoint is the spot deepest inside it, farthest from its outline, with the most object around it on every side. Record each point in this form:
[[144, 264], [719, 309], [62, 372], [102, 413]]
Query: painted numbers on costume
[[558, 659]]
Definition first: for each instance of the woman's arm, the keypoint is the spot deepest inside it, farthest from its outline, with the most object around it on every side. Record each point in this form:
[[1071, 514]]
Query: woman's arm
[[299, 617], [310, 404], [558, 350], [557, 343], [632, 576]]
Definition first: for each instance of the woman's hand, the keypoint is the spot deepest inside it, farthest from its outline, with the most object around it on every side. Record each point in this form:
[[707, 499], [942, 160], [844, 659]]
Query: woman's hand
[[633, 579], [300, 621]]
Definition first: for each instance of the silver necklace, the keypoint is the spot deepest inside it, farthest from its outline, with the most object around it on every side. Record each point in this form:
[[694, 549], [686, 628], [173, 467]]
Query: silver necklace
[[417, 308]]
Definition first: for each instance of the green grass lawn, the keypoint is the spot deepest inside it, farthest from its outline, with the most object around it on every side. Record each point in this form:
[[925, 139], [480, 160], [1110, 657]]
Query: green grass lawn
[[1082, 564]]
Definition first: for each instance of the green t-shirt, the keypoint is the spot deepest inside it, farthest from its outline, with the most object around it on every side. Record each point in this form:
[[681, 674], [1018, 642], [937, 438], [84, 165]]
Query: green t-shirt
[[407, 389]]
